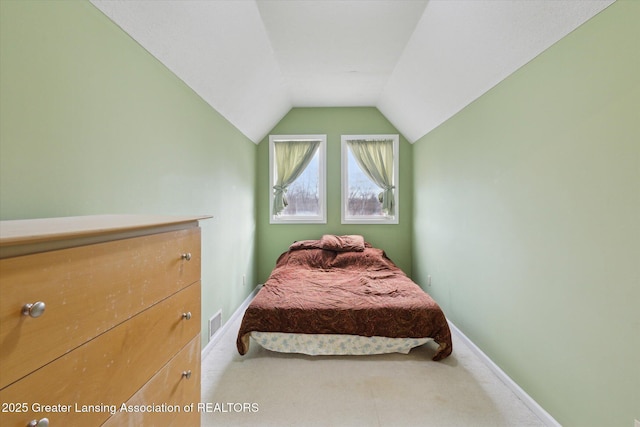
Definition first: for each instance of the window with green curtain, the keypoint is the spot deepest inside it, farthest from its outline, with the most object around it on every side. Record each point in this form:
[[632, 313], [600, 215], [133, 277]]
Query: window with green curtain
[[370, 179], [297, 178]]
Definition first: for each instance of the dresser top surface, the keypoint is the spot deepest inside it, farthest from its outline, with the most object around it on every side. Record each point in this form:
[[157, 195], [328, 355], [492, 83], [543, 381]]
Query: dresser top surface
[[29, 231]]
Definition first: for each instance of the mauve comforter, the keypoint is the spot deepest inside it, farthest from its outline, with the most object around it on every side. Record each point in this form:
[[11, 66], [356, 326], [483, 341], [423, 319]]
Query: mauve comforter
[[357, 292]]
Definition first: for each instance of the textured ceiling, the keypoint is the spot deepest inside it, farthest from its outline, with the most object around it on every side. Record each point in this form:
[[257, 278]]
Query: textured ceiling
[[418, 62]]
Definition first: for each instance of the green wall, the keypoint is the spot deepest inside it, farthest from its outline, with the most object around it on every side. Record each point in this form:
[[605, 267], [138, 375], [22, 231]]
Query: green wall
[[91, 123], [273, 239], [527, 208]]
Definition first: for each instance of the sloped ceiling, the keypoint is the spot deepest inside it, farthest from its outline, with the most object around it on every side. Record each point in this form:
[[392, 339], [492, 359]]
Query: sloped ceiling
[[418, 62]]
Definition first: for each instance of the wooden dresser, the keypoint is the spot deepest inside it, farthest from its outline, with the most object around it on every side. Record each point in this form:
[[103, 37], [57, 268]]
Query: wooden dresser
[[100, 321]]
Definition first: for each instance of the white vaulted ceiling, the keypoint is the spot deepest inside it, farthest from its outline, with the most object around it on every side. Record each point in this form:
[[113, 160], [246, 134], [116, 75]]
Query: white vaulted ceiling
[[418, 62]]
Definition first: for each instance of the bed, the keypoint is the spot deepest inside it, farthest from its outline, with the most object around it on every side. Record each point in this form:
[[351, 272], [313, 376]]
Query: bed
[[340, 295]]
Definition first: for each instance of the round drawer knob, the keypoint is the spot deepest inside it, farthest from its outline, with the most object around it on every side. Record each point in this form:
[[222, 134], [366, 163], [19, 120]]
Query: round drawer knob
[[187, 315], [187, 256], [34, 310], [42, 423], [186, 374]]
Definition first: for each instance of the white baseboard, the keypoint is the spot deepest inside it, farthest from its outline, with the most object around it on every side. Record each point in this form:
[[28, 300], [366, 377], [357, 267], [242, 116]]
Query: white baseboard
[[544, 416], [221, 331]]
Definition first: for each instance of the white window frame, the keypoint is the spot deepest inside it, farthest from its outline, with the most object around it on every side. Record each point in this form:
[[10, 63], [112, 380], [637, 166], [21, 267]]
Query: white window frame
[[348, 219], [322, 187]]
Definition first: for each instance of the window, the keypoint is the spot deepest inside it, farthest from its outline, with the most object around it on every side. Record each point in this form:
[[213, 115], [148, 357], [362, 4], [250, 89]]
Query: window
[[297, 179], [370, 179]]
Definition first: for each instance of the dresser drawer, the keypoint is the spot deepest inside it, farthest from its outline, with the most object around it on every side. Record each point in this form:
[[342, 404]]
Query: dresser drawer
[[109, 369], [170, 387], [87, 290]]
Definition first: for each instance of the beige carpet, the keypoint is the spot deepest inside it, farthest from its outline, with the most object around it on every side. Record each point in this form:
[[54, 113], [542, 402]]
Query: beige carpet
[[264, 388]]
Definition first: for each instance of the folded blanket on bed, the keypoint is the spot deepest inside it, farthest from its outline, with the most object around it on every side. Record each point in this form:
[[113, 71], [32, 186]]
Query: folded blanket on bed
[[347, 243]]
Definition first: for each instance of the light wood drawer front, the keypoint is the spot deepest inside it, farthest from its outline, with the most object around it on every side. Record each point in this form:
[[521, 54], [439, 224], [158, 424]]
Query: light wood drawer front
[[168, 387], [87, 290], [109, 369]]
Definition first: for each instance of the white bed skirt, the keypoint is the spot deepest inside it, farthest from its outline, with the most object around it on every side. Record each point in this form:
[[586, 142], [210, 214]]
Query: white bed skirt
[[335, 344]]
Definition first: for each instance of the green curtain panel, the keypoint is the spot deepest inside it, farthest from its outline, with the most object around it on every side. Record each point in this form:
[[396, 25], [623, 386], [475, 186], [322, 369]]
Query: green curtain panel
[[375, 158], [292, 158]]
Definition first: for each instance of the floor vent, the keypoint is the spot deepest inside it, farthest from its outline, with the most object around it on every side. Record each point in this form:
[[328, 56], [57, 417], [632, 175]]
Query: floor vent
[[214, 323]]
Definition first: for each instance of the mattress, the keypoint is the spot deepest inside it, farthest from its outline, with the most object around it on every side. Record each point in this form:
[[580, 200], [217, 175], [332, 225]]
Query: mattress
[[335, 344]]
